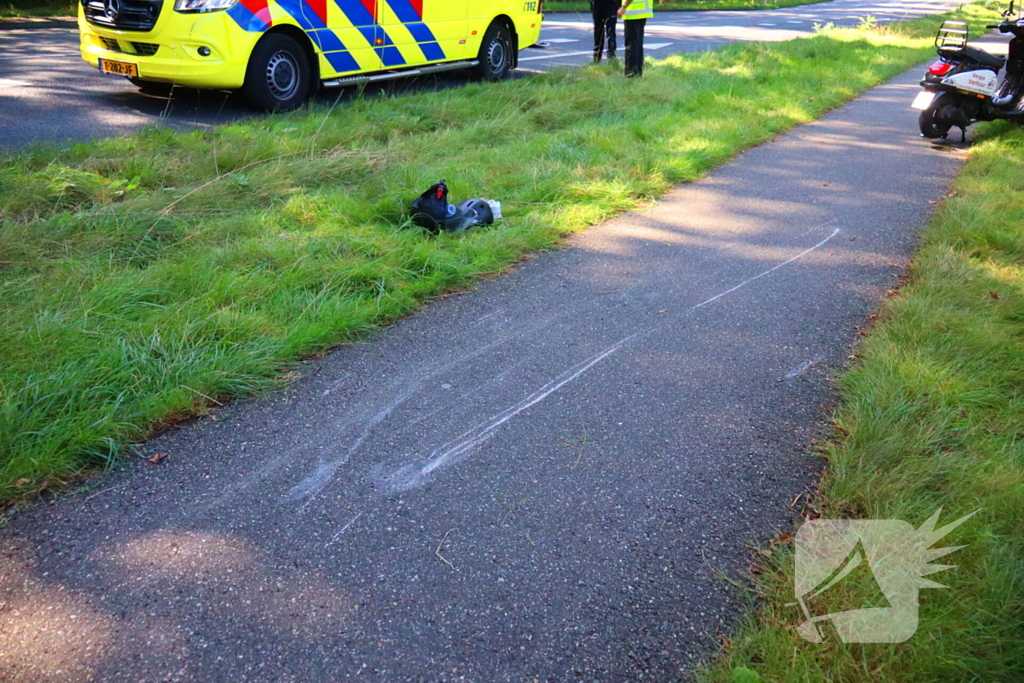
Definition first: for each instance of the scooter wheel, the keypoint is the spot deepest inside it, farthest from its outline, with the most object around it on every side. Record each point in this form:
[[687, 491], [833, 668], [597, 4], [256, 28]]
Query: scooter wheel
[[930, 125]]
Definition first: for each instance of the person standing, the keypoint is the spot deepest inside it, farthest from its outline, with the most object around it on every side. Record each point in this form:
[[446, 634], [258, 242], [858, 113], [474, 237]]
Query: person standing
[[605, 19], [634, 14]]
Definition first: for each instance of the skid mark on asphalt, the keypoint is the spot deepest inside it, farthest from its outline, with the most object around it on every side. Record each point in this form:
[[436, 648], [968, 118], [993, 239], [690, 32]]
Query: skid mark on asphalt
[[316, 482], [313, 484], [803, 367], [406, 478], [412, 476], [494, 380]]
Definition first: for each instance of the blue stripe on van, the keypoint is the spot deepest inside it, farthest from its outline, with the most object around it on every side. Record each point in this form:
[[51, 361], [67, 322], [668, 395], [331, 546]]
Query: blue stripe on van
[[421, 33], [389, 54], [334, 50], [425, 38], [330, 45], [307, 19], [361, 19], [246, 19], [342, 61], [356, 13]]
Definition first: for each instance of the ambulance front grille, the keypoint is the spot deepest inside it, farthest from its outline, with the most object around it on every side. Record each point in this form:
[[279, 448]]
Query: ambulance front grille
[[145, 49], [142, 49], [125, 15]]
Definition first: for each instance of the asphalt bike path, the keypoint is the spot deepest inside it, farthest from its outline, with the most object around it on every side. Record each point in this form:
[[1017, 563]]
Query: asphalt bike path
[[48, 94], [544, 479]]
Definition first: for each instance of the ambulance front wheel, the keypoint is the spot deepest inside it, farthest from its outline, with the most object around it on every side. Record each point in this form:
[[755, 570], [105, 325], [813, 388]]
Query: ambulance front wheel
[[495, 54], [277, 78]]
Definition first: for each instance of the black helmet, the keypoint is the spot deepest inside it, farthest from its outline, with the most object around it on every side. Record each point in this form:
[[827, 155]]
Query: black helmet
[[477, 212]]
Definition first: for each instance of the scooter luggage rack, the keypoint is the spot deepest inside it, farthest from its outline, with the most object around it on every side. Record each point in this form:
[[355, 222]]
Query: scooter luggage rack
[[952, 36]]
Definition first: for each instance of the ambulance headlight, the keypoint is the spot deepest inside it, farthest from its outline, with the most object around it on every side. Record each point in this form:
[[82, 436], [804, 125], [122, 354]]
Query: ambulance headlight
[[203, 5]]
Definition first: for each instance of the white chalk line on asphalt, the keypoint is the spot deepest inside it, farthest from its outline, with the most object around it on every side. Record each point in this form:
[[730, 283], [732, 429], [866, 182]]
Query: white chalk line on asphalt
[[554, 56], [403, 479], [766, 272], [343, 529]]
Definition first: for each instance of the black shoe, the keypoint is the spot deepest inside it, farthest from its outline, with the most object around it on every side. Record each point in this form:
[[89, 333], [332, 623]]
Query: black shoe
[[612, 55]]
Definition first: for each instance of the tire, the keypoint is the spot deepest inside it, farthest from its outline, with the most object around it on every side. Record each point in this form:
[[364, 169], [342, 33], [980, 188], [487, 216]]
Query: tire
[[154, 88], [931, 127], [277, 78], [496, 54]]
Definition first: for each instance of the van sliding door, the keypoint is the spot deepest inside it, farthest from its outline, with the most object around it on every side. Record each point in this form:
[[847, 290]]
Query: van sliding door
[[347, 35], [426, 31]]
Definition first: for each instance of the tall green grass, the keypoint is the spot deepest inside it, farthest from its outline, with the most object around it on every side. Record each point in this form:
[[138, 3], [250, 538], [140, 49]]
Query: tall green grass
[[142, 277], [932, 416]]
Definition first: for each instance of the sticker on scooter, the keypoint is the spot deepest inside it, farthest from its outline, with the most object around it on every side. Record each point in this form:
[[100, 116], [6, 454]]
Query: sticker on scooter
[[981, 82]]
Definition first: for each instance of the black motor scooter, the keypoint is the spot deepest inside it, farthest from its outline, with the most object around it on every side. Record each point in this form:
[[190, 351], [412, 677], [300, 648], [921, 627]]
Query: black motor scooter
[[968, 85]]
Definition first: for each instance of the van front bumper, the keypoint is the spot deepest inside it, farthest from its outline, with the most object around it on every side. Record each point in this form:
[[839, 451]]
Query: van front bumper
[[170, 52]]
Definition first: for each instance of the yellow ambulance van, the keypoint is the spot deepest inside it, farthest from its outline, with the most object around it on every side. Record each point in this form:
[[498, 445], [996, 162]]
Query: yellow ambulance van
[[278, 52]]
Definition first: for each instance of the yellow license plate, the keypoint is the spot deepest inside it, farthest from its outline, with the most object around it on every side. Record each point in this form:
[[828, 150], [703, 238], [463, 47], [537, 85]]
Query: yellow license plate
[[109, 66]]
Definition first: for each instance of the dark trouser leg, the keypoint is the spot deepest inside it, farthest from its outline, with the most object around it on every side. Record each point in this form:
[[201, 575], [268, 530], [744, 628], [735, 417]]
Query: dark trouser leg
[[599, 26], [609, 32], [634, 29]]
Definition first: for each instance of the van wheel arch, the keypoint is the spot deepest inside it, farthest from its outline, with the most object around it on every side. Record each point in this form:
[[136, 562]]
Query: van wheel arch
[[511, 26], [500, 30], [302, 39]]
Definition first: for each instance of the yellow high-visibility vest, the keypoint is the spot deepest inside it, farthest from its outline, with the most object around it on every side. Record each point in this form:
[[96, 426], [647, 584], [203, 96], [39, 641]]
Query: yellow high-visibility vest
[[639, 9]]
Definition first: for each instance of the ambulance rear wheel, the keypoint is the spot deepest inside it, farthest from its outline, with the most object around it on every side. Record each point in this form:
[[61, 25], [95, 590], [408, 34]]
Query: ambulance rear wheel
[[277, 78], [495, 54]]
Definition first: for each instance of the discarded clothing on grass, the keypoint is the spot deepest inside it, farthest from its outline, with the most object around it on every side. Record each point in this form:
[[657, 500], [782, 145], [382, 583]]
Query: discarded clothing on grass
[[432, 210]]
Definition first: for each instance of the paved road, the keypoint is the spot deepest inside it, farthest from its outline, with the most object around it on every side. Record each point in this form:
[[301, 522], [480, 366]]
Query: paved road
[[529, 482], [47, 94]]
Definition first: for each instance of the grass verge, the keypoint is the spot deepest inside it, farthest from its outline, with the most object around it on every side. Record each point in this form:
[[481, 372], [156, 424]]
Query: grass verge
[[686, 5], [932, 416], [144, 277], [37, 8]]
